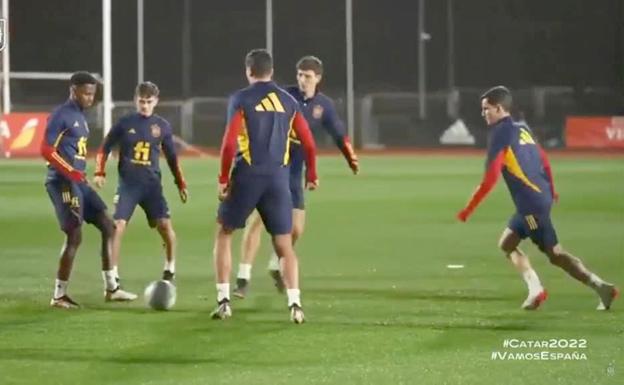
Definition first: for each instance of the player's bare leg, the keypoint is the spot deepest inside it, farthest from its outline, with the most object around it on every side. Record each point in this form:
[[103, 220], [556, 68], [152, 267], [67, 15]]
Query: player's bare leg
[[223, 267], [120, 229], [290, 271], [73, 239], [107, 230], [299, 218], [165, 229], [297, 231], [60, 299], [112, 289], [509, 243], [577, 270], [249, 250]]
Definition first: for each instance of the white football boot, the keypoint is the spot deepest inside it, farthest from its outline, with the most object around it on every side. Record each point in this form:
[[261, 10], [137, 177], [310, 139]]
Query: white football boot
[[64, 302], [119, 295], [534, 301], [296, 314], [223, 310], [607, 293]]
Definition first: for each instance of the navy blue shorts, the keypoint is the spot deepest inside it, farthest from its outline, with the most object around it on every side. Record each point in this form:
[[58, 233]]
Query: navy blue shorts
[[147, 195], [296, 187], [73, 203], [269, 194], [536, 226]]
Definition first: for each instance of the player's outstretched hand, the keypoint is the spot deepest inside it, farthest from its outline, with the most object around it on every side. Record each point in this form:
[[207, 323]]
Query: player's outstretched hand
[[183, 194], [222, 191], [555, 197], [354, 166], [463, 215], [99, 181], [312, 185]]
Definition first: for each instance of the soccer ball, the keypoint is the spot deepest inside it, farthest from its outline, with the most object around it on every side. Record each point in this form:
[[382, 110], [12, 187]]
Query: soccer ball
[[160, 295]]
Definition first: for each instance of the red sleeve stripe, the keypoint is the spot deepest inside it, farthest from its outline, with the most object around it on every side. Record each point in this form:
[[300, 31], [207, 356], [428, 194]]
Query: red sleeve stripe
[[61, 161], [489, 181], [309, 147], [228, 146]]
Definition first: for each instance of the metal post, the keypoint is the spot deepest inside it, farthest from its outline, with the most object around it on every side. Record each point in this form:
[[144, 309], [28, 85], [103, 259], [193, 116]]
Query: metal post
[[140, 42], [349, 49], [422, 36], [107, 65], [450, 22], [187, 50], [269, 26], [6, 80]]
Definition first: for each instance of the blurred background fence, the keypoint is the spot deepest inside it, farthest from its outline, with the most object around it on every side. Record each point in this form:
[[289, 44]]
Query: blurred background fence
[[418, 66]]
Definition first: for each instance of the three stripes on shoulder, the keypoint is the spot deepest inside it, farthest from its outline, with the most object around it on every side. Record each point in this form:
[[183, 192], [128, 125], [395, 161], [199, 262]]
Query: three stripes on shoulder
[[270, 103]]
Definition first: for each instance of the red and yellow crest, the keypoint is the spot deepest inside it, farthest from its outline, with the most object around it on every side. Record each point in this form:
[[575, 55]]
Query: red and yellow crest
[[155, 130], [317, 111]]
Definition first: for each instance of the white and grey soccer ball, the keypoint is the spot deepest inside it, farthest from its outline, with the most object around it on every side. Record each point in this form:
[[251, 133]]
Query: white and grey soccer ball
[[160, 295]]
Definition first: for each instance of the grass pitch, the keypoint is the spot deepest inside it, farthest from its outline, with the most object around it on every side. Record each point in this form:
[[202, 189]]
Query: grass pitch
[[382, 307]]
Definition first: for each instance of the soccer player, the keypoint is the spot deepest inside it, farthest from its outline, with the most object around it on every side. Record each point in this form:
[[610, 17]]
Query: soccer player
[[514, 152], [65, 148], [260, 120], [141, 136], [319, 111]]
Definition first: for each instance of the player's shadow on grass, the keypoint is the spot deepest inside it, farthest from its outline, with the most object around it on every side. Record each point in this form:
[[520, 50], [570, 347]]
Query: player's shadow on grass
[[87, 355], [433, 325], [120, 308], [173, 359], [398, 294]]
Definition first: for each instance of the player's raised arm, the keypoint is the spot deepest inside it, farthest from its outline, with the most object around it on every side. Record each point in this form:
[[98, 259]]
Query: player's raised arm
[[335, 128], [300, 125], [111, 139], [493, 168], [54, 131], [172, 159], [549, 173]]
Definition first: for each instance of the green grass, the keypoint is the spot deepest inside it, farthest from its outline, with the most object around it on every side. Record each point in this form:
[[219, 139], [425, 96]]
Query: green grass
[[382, 307]]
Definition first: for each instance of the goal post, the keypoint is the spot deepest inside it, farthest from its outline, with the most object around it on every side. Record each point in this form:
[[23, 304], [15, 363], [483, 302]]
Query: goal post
[[105, 77]]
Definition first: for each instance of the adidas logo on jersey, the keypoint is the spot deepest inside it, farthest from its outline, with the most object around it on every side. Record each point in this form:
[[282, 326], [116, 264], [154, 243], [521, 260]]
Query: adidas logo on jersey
[[132, 131], [270, 103]]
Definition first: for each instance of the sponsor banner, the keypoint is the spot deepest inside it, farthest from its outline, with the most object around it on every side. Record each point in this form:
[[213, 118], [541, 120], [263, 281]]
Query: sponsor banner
[[595, 132], [22, 132]]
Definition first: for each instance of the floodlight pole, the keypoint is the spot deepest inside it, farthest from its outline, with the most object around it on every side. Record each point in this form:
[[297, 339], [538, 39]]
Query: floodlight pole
[[451, 44], [107, 70], [6, 81], [140, 42], [269, 26], [422, 62], [187, 50], [350, 85]]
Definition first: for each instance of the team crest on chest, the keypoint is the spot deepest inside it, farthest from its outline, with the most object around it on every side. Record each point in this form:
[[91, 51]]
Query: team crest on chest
[[155, 128], [317, 111]]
